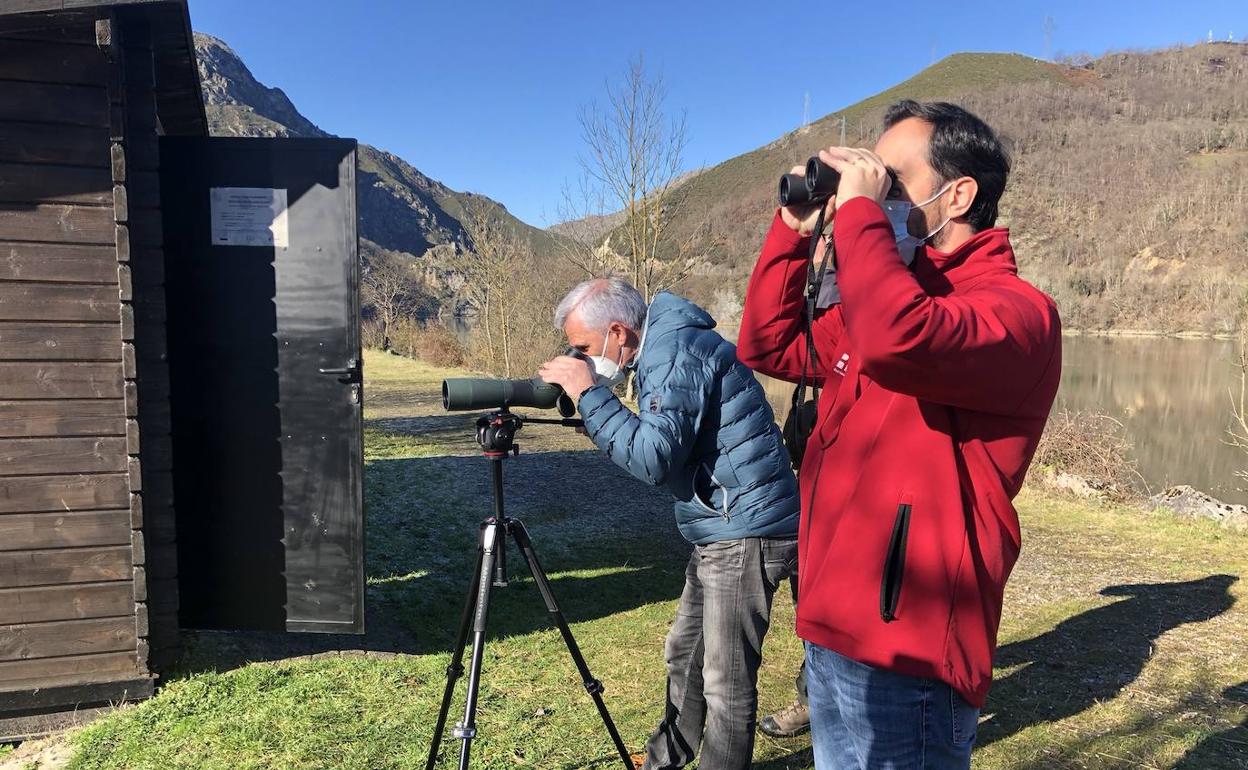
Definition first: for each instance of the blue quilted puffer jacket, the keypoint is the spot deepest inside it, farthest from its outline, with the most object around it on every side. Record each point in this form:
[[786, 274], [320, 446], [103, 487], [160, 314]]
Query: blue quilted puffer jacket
[[703, 428]]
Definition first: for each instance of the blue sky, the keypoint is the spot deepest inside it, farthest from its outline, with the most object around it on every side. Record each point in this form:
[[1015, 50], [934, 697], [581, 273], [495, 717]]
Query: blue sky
[[483, 96]]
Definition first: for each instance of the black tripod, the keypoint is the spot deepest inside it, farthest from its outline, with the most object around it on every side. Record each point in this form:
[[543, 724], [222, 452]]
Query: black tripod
[[496, 434]]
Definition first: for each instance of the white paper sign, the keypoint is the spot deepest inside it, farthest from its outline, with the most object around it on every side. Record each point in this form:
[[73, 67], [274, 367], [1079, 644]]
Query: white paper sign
[[248, 216]]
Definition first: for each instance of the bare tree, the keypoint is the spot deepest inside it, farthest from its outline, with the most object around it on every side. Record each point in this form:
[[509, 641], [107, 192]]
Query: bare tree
[[632, 163], [391, 289], [585, 219], [496, 270]]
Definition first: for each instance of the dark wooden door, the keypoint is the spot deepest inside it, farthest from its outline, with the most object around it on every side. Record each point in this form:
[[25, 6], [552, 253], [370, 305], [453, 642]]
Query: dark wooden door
[[265, 376]]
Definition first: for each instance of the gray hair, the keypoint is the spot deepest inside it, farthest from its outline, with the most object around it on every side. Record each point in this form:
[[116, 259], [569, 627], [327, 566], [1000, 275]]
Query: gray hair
[[602, 301]]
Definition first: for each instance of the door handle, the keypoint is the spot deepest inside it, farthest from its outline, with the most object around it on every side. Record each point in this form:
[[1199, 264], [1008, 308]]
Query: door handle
[[351, 372]]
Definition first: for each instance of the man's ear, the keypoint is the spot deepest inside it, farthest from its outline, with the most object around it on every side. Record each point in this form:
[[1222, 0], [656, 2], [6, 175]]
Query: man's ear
[[963, 191], [624, 335], [633, 336]]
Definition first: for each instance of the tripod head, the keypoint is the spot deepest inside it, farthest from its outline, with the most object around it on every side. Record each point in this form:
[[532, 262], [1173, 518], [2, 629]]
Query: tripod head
[[496, 431]]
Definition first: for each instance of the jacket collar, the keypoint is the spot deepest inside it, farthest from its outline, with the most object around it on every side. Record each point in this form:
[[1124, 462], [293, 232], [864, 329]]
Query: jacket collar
[[641, 345], [987, 251]]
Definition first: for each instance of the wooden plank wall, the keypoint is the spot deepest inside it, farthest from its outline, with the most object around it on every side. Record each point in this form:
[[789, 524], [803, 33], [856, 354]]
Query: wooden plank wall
[[137, 171], [71, 546]]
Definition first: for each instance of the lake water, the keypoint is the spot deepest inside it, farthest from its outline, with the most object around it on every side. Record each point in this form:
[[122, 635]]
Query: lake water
[[1170, 394]]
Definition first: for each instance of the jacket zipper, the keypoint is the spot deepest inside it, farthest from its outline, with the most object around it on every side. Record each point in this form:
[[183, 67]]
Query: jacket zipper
[[724, 514], [723, 489], [894, 565]]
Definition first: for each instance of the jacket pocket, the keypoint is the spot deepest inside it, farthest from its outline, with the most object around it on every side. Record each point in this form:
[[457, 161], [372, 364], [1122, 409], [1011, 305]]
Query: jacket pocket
[[779, 559], [894, 565], [705, 483]]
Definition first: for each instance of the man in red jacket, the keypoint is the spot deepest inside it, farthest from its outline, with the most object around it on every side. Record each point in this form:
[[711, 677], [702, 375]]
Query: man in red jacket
[[938, 366]]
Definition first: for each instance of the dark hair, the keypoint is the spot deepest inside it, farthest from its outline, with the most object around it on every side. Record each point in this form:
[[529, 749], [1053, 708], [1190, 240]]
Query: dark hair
[[961, 145]]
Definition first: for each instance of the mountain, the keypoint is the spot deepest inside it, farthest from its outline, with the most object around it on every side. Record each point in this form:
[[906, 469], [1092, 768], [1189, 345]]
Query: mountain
[[237, 103], [402, 212], [1128, 199]]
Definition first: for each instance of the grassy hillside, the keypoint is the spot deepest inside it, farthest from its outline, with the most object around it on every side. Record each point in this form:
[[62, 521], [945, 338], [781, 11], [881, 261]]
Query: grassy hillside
[[753, 176], [1128, 194]]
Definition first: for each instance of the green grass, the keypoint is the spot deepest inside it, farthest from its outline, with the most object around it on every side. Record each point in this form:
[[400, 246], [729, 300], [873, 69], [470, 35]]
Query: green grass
[[1136, 677]]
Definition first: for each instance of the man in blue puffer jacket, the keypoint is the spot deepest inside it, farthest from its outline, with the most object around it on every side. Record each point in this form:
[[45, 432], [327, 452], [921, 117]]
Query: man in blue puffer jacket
[[704, 429]]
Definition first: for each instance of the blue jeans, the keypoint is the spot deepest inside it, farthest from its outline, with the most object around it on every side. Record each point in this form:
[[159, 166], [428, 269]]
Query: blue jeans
[[713, 652], [866, 718]]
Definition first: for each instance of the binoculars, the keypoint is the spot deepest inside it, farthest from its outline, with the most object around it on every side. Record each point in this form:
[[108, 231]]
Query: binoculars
[[815, 186]]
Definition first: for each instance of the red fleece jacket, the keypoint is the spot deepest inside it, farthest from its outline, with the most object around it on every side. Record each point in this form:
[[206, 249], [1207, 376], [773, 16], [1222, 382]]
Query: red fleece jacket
[[937, 384]]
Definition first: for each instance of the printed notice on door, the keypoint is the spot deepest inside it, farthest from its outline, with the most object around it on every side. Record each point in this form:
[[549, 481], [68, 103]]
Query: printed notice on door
[[248, 216]]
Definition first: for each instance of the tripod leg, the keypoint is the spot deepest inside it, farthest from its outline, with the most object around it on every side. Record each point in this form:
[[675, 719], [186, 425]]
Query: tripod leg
[[491, 544], [456, 669], [592, 685]]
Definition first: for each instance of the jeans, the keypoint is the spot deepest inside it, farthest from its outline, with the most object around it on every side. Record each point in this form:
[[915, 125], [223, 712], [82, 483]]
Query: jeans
[[713, 652], [866, 718]]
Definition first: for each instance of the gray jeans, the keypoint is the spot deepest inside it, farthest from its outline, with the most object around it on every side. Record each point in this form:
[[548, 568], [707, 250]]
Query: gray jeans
[[713, 652]]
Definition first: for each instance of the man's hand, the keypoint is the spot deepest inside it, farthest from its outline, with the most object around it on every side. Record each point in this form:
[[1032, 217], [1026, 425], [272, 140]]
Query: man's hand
[[863, 174], [574, 375], [803, 218]]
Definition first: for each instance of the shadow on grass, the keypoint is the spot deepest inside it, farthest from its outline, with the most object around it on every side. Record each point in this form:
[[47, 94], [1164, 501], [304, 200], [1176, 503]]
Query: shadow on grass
[[1230, 747], [1090, 657], [424, 425], [607, 542]]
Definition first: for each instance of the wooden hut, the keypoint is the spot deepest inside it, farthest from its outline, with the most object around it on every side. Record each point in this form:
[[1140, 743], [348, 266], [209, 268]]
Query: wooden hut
[[97, 99]]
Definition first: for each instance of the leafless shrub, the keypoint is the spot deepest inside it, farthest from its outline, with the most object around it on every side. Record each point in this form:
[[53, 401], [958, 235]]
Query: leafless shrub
[[513, 293], [370, 333], [1092, 447], [534, 339], [391, 290], [430, 342]]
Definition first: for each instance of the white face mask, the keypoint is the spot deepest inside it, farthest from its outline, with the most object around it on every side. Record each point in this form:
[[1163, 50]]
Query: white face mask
[[937, 194], [898, 213], [606, 371]]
